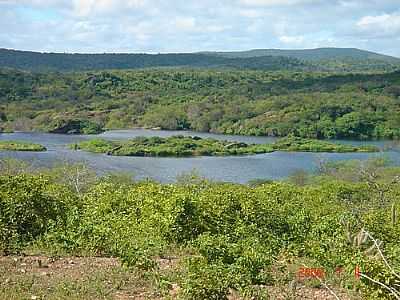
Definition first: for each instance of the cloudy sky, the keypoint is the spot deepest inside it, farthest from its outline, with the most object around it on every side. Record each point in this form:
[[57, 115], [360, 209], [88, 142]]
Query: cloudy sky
[[197, 25]]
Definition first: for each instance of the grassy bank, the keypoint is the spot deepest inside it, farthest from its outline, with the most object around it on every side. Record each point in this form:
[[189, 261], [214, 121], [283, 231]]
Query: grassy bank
[[196, 146], [201, 240], [20, 146]]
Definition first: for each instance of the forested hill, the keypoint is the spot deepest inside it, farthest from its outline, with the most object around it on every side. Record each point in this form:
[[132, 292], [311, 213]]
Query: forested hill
[[305, 104], [325, 59], [35, 61], [334, 59], [311, 54]]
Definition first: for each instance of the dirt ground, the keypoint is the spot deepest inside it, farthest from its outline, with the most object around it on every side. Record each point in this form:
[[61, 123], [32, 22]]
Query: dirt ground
[[40, 277]]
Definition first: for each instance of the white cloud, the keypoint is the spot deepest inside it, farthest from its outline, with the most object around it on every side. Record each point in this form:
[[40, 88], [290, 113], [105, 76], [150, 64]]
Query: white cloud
[[182, 25], [382, 21], [380, 25], [216, 28], [293, 40], [85, 8], [185, 23], [33, 2], [275, 2], [251, 13]]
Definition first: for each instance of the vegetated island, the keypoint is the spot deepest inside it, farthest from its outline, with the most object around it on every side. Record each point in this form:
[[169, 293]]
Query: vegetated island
[[180, 146], [21, 146]]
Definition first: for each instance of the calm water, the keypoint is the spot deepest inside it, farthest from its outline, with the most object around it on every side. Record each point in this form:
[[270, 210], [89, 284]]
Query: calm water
[[241, 169]]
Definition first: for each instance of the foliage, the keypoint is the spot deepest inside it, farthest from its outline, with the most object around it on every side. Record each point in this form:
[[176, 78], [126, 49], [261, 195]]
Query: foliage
[[20, 146], [196, 146], [349, 59], [305, 104], [171, 146], [73, 126], [75, 62], [28, 205], [318, 59], [233, 235], [292, 143]]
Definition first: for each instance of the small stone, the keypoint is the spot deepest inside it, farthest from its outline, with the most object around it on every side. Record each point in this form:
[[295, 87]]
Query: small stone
[[174, 290], [34, 297]]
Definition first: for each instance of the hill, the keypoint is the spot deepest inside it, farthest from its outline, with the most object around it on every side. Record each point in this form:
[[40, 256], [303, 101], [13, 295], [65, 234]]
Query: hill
[[35, 61], [311, 54], [337, 59], [323, 59], [305, 104]]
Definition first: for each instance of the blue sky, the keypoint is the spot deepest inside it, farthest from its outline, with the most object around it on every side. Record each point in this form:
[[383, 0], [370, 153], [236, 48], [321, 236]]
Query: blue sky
[[153, 26]]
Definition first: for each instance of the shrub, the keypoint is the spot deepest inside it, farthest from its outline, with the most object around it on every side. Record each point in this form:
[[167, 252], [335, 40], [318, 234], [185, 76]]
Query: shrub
[[205, 281], [27, 205]]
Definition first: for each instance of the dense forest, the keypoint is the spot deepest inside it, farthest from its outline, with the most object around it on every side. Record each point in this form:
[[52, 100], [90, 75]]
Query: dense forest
[[316, 55], [198, 239], [247, 102], [324, 59], [72, 62], [328, 59]]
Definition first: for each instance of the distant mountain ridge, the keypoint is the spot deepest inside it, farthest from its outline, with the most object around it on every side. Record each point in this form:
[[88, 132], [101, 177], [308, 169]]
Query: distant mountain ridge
[[321, 59], [311, 54], [36, 61]]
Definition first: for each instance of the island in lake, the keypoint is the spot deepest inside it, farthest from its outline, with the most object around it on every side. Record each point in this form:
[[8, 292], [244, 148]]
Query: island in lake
[[21, 146], [181, 146]]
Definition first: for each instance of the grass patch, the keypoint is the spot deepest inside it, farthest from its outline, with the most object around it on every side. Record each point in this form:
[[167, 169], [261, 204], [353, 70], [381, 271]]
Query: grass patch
[[20, 146]]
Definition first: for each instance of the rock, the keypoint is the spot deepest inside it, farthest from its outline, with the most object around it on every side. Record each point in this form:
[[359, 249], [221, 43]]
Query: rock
[[236, 145], [174, 290]]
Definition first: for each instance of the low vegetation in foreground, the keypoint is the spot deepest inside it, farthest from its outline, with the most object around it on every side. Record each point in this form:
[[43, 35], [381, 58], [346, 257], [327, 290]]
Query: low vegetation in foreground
[[20, 146], [196, 146], [197, 239]]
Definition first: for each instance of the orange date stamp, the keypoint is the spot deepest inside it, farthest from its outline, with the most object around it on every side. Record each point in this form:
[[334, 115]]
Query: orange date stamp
[[320, 273]]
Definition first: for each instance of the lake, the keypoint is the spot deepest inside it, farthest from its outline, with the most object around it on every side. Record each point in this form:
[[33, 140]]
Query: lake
[[240, 169]]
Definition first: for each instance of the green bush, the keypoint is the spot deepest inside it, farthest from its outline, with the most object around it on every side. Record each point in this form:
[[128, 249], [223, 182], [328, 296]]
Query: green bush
[[27, 205], [203, 280]]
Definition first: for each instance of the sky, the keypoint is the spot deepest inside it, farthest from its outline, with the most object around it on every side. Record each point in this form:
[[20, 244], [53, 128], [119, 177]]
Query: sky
[[160, 26]]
